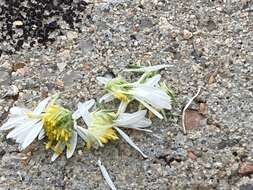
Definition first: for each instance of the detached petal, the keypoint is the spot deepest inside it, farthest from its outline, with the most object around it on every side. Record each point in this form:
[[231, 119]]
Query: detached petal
[[129, 141], [148, 69], [106, 176]]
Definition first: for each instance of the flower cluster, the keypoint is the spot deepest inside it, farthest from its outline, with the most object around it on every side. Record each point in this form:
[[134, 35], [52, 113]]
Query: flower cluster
[[60, 127]]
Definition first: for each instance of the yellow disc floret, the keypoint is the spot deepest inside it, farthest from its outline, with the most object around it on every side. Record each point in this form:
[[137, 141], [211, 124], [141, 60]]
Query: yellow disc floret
[[58, 126], [119, 95], [101, 128], [119, 88]]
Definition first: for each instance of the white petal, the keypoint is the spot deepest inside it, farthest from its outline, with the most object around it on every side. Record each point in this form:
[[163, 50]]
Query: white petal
[[13, 122], [41, 106], [32, 135], [153, 81], [122, 107], [141, 129], [85, 115], [103, 80], [83, 106], [42, 134], [106, 98], [153, 96], [148, 69], [140, 124], [81, 132], [130, 118], [73, 142], [55, 156], [129, 141], [18, 111], [150, 108], [106, 176], [28, 124]]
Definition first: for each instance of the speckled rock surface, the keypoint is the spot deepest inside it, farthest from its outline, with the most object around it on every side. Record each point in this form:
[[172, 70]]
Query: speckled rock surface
[[209, 44]]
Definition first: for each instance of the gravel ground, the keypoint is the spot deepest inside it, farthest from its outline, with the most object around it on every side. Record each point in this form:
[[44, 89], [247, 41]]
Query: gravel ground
[[209, 43]]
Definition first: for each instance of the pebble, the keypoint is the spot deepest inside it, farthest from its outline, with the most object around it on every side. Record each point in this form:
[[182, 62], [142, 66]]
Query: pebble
[[187, 35]]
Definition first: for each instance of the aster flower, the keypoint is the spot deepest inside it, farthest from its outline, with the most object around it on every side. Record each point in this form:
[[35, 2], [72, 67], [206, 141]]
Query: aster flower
[[145, 91], [59, 128], [26, 125], [48, 120], [103, 126]]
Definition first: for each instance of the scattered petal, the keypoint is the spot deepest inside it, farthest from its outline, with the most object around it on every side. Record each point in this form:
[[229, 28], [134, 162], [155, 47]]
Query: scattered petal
[[129, 141], [148, 69], [106, 176]]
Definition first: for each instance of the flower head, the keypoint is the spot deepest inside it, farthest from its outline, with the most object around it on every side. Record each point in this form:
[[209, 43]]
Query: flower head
[[48, 120], [103, 125], [145, 90], [58, 125]]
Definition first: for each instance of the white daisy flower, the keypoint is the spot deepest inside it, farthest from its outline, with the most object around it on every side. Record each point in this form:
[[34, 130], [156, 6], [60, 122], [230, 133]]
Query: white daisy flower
[[146, 91], [26, 125], [47, 120], [103, 123]]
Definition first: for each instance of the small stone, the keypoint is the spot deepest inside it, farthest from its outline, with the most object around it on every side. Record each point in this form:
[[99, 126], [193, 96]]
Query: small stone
[[61, 65], [246, 187], [17, 66], [17, 23], [72, 35], [193, 119], [187, 34], [191, 155], [246, 168], [203, 108], [4, 78]]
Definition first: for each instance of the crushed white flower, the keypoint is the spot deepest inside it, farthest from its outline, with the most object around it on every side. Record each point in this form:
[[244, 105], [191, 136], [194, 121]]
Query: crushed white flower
[[103, 124], [47, 120], [26, 125], [146, 90]]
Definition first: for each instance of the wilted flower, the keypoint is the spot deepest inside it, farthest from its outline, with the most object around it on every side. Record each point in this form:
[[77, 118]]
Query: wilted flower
[[48, 120], [26, 125], [146, 91], [103, 124], [59, 128]]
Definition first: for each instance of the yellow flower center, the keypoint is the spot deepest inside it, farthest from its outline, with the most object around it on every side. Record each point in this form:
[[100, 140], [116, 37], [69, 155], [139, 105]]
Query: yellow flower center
[[119, 95], [101, 128], [58, 126]]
